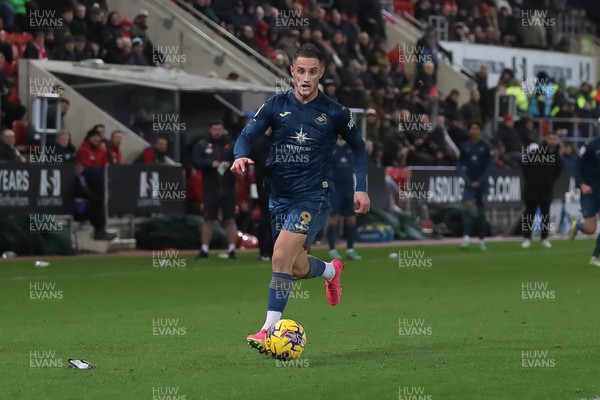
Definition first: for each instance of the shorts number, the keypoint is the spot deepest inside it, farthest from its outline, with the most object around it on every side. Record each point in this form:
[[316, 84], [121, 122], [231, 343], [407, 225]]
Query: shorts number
[[306, 217]]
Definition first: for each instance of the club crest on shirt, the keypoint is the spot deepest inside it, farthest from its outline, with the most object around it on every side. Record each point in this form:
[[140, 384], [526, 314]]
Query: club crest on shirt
[[321, 119]]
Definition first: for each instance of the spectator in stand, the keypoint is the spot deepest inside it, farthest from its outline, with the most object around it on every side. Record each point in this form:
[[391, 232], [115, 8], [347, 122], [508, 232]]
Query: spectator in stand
[[126, 26], [541, 168], [137, 52], [486, 94], [140, 30], [36, 49], [112, 29], [527, 132], [92, 152], [425, 79], [423, 10], [12, 111], [127, 51], [8, 151], [564, 128], [456, 130], [237, 17], [501, 161], [214, 157], [114, 147], [79, 24], [64, 147], [246, 36], [95, 26], [450, 104], [205, 7], [372, 125], [442, 147], [64, 31], [471, 111], [5, 48], [157, 154], [114, 53], [398, 75], [330, 89], [510, 138], [67, 51], [80, 49]]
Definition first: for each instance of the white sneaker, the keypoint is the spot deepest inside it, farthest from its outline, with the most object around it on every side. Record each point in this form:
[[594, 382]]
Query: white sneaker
[[546, 244], [526, 244], [595, 262]]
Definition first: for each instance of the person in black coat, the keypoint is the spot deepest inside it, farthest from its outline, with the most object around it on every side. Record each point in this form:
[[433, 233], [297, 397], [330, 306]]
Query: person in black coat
[[541, 167], [214, 158]]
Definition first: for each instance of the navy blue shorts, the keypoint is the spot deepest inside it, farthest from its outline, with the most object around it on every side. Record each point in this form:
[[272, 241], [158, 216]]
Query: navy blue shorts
[[342, 204], [306, 216], [476, 194], [590, 205]]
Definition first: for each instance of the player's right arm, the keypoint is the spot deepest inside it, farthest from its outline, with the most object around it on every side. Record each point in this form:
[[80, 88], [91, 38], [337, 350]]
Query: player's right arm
[[255, 129], [461, 165], [583, 164]]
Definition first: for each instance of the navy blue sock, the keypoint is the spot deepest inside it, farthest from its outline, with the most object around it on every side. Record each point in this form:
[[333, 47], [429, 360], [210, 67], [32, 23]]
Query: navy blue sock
[[316, 268], [350, 234], [331, 236], [279, 291], [597, 248]]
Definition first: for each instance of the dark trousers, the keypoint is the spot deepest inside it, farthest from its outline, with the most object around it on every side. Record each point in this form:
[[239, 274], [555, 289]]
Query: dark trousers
[[529, 219]]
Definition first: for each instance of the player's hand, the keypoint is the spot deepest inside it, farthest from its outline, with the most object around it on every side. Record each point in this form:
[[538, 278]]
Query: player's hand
[[362, 203], [586, 189], [240, 165]]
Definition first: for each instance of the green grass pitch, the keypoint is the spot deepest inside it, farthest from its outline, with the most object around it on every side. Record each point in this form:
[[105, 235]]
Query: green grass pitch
[[458, 327]]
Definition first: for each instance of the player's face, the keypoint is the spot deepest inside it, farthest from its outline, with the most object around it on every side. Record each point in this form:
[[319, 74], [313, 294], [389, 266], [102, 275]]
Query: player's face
[[474, 132], [306, 72]]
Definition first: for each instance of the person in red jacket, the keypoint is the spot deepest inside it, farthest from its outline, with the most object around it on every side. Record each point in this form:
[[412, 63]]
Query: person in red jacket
[[156, 154], [114, 147], [92, 152]]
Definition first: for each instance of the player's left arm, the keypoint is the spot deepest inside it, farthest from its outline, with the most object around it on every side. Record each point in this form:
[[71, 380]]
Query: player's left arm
[[345, 126]]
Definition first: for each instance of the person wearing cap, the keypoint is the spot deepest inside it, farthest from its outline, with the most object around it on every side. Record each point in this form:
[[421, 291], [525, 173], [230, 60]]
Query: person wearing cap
[[138, 56], [92, 153], [541, 166], [372, 125]]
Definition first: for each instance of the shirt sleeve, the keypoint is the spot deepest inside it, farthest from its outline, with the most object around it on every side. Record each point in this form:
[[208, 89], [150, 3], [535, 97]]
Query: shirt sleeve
[[488, 167], [346, 128], [255, 129], [461, 165]]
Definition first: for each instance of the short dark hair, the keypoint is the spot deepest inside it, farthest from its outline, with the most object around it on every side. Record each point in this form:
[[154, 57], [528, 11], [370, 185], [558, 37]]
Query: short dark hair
[[309, 50], [475, 123], [213, 123]]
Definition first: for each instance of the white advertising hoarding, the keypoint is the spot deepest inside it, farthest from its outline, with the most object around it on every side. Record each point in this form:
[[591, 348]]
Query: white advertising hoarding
[[526, 63]]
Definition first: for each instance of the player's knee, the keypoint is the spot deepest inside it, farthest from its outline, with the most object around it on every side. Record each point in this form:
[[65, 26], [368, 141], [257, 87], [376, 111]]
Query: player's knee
[[589, 226], [281, 260]]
